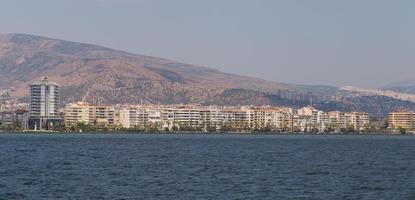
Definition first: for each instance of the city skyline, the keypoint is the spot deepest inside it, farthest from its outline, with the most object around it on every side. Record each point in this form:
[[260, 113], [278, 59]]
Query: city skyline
[[328, 42], [213, 99], [79, 116], [44, 112]]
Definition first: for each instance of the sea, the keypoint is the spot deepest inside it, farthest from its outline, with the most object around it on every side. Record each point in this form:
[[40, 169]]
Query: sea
[[206, 166]]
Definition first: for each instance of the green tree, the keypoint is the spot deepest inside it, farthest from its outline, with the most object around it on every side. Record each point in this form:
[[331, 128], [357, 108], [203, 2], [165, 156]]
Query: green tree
[[402, 130]]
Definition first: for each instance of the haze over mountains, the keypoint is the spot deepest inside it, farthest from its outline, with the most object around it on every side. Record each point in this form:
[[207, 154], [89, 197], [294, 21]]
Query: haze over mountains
[[406, 86], [103, 75]]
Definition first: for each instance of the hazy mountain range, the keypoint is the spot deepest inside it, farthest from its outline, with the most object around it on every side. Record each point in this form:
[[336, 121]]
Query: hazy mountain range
[[103, 75], [406, 86]]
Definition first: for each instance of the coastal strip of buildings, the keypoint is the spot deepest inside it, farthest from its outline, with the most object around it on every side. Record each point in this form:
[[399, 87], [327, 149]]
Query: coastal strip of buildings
[[214, 118], [45, 113]]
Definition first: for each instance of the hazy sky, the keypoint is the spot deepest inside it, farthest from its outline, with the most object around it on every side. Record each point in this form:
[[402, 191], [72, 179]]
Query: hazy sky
[[335, 42]]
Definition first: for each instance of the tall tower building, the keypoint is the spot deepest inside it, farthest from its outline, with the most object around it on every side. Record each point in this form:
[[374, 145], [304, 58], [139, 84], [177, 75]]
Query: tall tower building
[[44, 99], [44, 105]]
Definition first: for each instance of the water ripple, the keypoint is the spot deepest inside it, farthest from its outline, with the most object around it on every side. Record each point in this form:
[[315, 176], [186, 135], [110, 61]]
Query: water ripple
[[206, 167]]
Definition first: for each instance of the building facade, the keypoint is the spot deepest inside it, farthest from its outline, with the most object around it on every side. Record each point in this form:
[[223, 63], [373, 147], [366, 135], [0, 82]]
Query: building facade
[[81, 112], [44, 99], [44, 105], [213, 118], [402, 119]]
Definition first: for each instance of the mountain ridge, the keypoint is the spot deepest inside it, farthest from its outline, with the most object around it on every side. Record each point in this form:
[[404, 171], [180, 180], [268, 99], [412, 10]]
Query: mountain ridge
[[29, 57], [405, 86], [91, 71], [153, 57]]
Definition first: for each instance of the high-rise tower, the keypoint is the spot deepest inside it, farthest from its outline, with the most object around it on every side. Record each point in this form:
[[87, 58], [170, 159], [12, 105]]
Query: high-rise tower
[[44, 101], [44, 98]]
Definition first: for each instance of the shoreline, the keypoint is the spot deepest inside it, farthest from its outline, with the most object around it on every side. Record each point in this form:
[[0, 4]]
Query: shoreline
[[192, 133]]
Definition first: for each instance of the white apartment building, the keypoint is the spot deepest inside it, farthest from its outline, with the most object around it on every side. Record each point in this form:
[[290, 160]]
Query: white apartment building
[[211, 117], [159, 117], [281, 120], [402, 119], [306, 119], [359, 120], [338, 120], [133, 117], [182, 116], [82, 112], [323, 121], [78, 113], [237, 118], [310, 112]]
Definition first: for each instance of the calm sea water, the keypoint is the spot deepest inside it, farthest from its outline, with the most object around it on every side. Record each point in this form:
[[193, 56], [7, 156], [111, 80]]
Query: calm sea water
[[225, 167]]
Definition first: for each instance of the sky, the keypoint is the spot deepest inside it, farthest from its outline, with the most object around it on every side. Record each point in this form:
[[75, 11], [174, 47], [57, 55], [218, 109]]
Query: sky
[[367, 43]]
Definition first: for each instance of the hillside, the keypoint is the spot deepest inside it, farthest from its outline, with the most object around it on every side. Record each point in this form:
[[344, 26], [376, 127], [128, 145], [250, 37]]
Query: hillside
[[404, 96], [406, 86], [95, 73]]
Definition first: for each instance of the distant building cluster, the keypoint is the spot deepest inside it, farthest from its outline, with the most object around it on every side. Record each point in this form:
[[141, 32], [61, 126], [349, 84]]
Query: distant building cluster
[[13, 114], [45, 113]]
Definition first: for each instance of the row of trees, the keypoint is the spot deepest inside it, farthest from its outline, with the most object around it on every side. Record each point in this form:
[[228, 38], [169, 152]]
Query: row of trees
[[185, 127], [11, 127]]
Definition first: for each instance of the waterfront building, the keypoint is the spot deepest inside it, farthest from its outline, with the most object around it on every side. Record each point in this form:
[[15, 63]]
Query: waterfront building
[[234, 118], [338, 120], [309, 111], [44, 99], [258, 118], [22, 117], [16, 119], [300, 123], [323, 121], [307, 119], [277, 119], [134, 117], [44, 104], [7, 118], [103, 115], [402, 119], [358, 120], [182, 116], [81, 112], [270, 118], [211, 118]]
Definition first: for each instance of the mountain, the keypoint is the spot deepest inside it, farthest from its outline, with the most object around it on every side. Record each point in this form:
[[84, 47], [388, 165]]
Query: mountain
[[102, 75], [95, 73]]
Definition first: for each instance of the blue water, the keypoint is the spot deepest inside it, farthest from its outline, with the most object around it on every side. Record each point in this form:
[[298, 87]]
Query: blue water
[[224, 167]]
